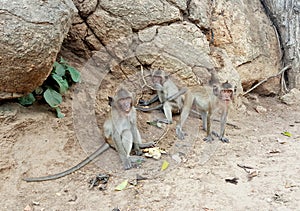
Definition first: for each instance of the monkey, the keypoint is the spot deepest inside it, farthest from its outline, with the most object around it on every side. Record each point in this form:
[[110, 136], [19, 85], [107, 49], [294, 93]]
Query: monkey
[[168, 94], [207, 99], [122, 129], [121, 133]]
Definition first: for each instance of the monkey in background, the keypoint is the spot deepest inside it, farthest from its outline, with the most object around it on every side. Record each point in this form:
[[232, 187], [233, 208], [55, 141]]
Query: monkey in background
[[208, 99], [121, 133], [168, 94]]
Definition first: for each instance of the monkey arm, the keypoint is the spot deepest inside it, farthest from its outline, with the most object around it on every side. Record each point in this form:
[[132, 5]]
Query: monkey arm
[[146, 103], [160, 106]]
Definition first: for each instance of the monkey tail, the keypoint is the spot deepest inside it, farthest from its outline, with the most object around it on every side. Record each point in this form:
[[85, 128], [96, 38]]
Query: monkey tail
[[98, 152], [159, 106]]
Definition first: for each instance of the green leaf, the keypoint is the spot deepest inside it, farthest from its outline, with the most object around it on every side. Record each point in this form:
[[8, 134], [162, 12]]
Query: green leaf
[[75, 74], [58, 113], [122, 185], [52, 97], [59, 69], [286, 133], [27, 100], [62, 61], [165, 165], [63, 84]]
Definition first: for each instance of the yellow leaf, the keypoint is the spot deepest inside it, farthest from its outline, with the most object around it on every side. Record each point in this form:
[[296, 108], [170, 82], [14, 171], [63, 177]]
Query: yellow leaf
[[286, 133], [165, 165], [122, 185]]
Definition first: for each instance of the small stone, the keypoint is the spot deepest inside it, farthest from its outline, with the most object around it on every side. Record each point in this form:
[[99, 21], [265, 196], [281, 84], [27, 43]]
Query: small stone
[[261, 109], [292, 97]]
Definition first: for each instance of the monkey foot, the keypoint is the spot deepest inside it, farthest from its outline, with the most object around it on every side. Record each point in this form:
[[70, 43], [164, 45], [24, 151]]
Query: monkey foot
[[208, 138], [224, 140], [180, 133]]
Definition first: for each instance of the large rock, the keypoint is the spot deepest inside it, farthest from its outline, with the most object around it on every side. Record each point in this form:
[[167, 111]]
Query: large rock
[[31, 32], [140, 14], [187, 38], [242, 28]]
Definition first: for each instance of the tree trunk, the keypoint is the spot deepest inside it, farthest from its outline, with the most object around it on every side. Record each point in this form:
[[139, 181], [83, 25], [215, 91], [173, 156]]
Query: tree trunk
[[285, 15]]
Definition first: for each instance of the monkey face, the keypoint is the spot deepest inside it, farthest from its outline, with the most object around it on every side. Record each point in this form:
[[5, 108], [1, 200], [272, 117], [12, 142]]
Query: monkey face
[[157, 80], [125, 104], [226, 95]]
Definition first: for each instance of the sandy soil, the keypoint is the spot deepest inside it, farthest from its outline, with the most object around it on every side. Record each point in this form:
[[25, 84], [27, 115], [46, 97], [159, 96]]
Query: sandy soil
[[34, 143]]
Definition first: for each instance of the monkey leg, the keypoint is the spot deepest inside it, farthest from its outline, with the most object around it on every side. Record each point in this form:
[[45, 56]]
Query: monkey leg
[[183, 116], [204, 120], [209, 136], [223, 123], [222, 128], [168, 111], [137, 140], [124, 145]]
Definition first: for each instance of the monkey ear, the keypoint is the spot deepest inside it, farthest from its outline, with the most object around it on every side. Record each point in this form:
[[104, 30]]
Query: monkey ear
[[110, 101], [235, 88], [215, 90]]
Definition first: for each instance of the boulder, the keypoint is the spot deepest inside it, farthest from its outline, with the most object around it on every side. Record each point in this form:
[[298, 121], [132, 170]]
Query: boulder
[[187, 38], [31, 32]]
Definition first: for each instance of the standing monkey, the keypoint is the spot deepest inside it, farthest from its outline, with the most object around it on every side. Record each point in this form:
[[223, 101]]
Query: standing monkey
[[168, 94], [207, 99], [120, 131]]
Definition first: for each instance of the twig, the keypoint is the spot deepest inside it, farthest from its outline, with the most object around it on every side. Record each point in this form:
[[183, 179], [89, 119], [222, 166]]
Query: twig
[[245, 167], [143, 78], [266, 79], [162, 136]]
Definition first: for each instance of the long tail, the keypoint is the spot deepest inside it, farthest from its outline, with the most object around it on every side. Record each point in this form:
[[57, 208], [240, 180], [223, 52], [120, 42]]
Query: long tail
[[98, 152]]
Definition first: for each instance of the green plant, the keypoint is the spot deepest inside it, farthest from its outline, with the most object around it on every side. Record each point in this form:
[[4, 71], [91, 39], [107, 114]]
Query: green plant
[[58, 82]]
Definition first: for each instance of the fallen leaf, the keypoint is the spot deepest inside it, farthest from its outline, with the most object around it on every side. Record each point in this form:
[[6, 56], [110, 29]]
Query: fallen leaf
[[122, 185], [275, 151], [155, 123], [252, 173], [280, 141], [233, 180], [286, 133], [28, 208], [165, 165], [154, 152]]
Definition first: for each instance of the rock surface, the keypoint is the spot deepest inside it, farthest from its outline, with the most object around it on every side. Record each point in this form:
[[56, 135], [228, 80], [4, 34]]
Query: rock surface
[[31, 34], [185, 39]]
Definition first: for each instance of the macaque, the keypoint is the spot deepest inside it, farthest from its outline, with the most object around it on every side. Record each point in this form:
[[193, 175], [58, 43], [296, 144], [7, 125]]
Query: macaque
[[122, 129], [168, 94], [208, 99], [121, 133]]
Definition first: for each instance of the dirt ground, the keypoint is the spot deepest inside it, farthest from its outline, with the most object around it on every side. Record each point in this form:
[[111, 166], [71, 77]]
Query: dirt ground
[[34, 143]]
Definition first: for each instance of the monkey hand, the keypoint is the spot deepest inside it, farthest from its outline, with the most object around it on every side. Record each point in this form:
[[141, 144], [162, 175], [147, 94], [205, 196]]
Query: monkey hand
[[147, 145], [158, 87], [180, 134], [143, 102]]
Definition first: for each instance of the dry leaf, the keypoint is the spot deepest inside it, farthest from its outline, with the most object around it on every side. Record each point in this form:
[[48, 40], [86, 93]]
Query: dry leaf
[[154, 152], [165, 165], [122, 185]]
